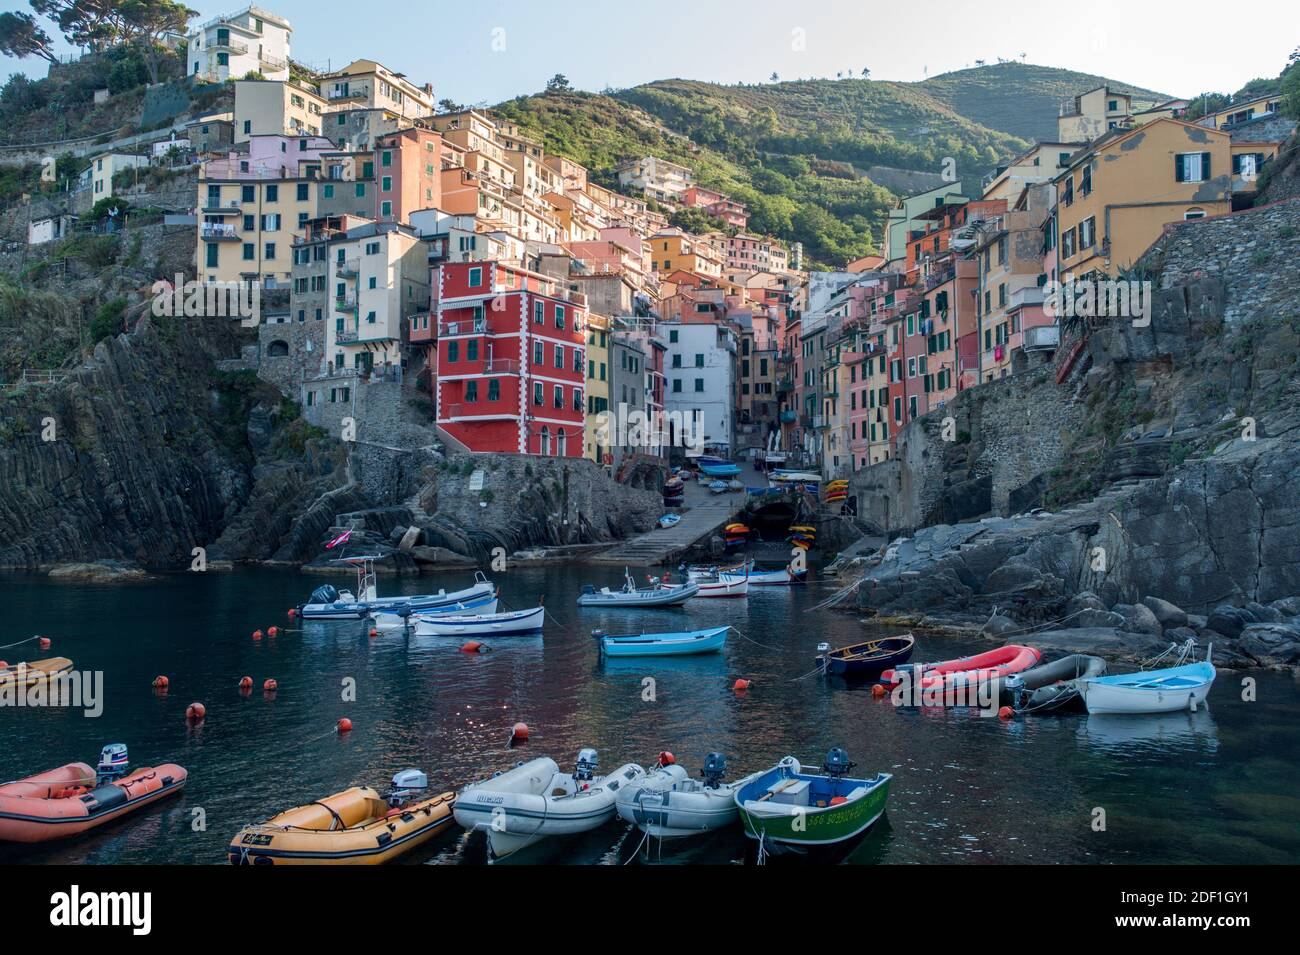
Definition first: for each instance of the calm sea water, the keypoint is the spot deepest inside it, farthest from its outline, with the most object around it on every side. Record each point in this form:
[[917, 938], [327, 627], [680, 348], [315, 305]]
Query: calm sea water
[[1217, 786]]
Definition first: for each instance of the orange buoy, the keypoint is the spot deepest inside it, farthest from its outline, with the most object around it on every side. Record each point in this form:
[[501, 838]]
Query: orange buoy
[[344, 725], [519, 732], [741, 684], [373, 633], [3, 664], [161, 682], [270, 686], [195, 713], [667, 759], [1006, 713], [837, 800], [272, 631], [293, 612], [257, 634], [245, 682], [473, 646], [43, 643], [878, 691]]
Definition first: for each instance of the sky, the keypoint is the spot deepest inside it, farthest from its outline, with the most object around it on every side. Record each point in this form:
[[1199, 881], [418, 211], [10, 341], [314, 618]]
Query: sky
[[485, 51]]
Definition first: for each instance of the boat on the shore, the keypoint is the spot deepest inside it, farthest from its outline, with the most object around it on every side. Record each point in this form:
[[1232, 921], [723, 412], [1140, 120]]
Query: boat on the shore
[[679, 643], [717, 467], [668, 520], [668, 804], [1181, 687], [22, 675], [74, 799], [509, 624], [965, 671], [786, 805], [869, 658], [658, 594], [1051, 687], [355, 827], [327, 603], [534, 800], [404, 616]]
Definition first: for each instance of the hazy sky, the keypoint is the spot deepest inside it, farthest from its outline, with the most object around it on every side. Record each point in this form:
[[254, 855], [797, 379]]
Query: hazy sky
[[490, 50]]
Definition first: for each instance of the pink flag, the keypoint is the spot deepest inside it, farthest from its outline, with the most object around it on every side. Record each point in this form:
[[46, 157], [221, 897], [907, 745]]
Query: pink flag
[[341, 539]]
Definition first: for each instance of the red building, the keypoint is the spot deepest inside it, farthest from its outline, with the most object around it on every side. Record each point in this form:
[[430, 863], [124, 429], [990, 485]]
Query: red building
[[509, 360]]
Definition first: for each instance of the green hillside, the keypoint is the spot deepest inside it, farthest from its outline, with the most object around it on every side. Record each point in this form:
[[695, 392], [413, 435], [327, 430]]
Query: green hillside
[[1020, 98]]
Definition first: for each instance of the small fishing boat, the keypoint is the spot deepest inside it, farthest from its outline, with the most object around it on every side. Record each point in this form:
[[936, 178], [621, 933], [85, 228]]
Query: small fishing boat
[[355, 827], [1051, 687], [402, 617], [668, 804], [718, 487], [701, 571], [964, 671], [668, 520], [717, 467], [723, 586], [512, 623], [327, 603], [787, 805], [870, 658], [1181, 687], [74, 798], [796, 477], [677, 643], [535, 800], [773, 578], [22, 675], [658, 594]]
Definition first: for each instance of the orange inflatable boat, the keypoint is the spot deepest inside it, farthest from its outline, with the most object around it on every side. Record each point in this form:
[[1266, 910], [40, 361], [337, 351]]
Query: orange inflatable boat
[[990, 665], [74, 799]]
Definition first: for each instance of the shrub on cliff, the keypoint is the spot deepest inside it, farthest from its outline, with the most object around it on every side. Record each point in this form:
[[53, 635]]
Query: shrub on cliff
[[108, 320]]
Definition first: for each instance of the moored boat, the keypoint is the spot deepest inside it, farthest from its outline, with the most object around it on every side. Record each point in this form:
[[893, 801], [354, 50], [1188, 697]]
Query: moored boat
[[1051, 687], [74, 799], [964, 671], [787, 805], [327, 603], [717, 467], [22, 675], [355, 827], [679, 643], [511, 623], [870, 658], [698, 571], [1181, 687], [723, 587], [397, 619], [534, 800], [773, 578], [668, 804], [658, 594]]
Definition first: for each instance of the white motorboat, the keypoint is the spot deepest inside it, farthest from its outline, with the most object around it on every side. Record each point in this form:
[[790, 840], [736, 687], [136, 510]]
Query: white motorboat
[[535, 800], [509, 624], [723, 587], [769, 578], [326, 603], [699, 571], [668, 804], [658, 594]]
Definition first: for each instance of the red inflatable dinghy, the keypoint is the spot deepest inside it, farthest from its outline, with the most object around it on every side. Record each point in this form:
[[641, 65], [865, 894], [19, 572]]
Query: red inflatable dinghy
[[989, 665]]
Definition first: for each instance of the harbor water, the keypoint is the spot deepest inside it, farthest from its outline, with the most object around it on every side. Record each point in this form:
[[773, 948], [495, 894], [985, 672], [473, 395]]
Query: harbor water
[[1216, 786]]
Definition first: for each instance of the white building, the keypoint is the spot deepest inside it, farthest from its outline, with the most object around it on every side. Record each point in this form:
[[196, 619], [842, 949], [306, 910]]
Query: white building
[[657, 178], [99, 176], [40, 231], [700, 378], [230, 47]]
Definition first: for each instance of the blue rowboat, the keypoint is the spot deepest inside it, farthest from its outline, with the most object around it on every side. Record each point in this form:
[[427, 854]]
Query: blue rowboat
[[662, 644], [1152, 691], [725, 469], [870, 658]]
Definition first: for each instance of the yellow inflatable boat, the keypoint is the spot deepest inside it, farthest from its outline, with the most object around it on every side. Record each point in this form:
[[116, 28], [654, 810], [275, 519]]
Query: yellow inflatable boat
[[355, 827]]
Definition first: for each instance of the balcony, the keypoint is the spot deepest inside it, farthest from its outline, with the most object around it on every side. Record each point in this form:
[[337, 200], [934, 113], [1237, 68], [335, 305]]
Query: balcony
[[218, 232], [221, 206], [348, 268], [784, 386], [1027, 297], [1042, 337], [273, 62], [234, 46], [347, 336], [788, 416], [501, 366], [448, 329], [346, 303]]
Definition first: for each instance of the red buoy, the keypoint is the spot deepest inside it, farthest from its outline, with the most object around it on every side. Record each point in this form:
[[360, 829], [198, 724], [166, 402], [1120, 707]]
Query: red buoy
[[519, 732], [878, 691], [667, 759], [245, 682], [270, 686], [473, 646], [741, 684], [161, 683], [344, 725], [257, 634], [195, 712], [3, 664], [272, 631], [373, 633], [1006, 713], [293, 612], [43, 643]]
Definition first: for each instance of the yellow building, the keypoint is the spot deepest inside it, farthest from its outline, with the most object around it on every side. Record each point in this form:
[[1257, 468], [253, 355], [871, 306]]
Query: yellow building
[[268, 107], [1243, 111], [1091, 115], [596, 383], [1116, 196], [367, 83], [1041, 163], [673, 250]]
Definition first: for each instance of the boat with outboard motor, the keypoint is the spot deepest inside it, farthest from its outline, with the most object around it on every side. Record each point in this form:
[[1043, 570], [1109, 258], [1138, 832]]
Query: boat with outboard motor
[[698, 571], [966, 671], [355, 827], [668, 804], [658, 594], [74, 798], [327, 603], [1181, 687], [534, 800], [786, 805], [867, 659], [1051, 687]]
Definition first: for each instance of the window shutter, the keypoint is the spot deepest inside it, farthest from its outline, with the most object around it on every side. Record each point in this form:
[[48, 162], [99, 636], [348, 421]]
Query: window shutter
[[1178, 168], [1205, 167]]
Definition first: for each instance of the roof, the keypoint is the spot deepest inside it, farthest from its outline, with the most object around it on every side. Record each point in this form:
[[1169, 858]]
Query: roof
[[1120, 133]]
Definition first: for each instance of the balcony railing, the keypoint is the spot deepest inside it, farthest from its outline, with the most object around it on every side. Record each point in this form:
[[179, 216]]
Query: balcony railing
[[501, 366], [346, 303], [274, 62], [233, 46], [1042, 337], [477, 326], [347, 335], [349, 267], [221, 205], [218, 231]]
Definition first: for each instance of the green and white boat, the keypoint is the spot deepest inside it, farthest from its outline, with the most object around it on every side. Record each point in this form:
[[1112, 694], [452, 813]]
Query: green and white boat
[[789, 806]]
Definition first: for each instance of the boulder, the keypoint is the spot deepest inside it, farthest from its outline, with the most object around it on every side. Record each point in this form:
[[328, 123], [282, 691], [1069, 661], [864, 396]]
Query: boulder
[[1094, 619], [1106, 642], [999, 626], [1138, 618], [1287, 606], [1270, 644], [1168, 614], [1084, 600], [440, 556], [1264, 613], [99, 572], [1229, 620]]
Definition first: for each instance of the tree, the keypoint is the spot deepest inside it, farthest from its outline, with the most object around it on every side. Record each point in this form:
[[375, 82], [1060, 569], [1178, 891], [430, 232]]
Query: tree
[[865, 73], [559, 83], [21, 36], [1291, 90], [95, 24], [146, 22], [774, 78], [450, 106]]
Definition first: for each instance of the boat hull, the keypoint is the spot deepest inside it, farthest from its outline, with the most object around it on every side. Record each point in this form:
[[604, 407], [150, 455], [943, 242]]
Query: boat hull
[[894, 651], [32, 811], [723, 588], [683, 643], [667, 804], [813, 826], [1155, 691], [417, 603], [396, 621], [664, 597], [483, 625]]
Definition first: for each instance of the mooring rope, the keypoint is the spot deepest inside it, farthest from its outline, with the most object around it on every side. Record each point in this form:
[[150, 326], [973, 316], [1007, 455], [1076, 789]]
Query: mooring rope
[[20, 642]]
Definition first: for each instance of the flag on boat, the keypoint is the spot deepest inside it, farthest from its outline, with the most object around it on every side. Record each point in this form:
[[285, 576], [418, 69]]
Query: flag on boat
[[341, 539]]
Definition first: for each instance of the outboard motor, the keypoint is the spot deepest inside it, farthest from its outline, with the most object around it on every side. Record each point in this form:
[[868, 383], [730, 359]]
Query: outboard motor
[[837, 763], [586, 770], [588, 590], [112, 763], [405, 785], [324, 594], [715, 767]]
